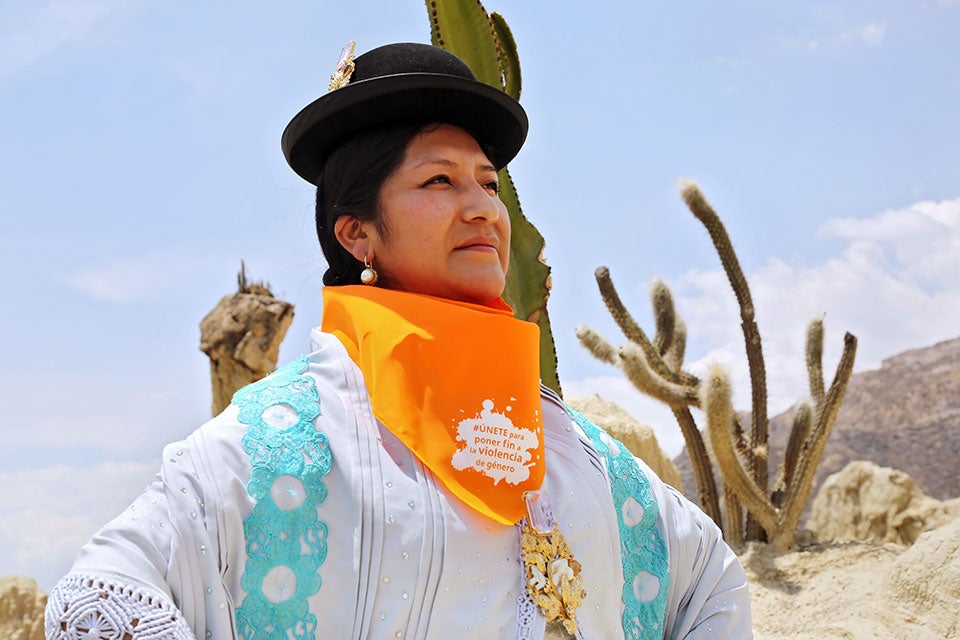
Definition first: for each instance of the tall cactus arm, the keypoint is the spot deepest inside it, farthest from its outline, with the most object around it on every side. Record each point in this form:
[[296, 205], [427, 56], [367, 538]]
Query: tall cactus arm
[[635, 333], [799, 489], [802, 419], [815, 359], [678, 347], [702, 468], [664, 314], [719, 410], [705, 213], [670, 391], [733, 525], [630, 328], [739, 441], [509, 59], [700, 208], [465, 29], [597, 345], [528, 280], [634, 363], [780, 524]]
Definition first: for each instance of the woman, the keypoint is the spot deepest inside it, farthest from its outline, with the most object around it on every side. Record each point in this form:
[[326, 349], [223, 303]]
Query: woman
[[409, 478]]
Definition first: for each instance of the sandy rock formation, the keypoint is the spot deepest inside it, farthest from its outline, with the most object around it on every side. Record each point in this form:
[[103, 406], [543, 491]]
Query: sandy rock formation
[[925, 582], [242, 337], [21, 609], [858, 590], [638, 437], [869, 503], [821, 592]]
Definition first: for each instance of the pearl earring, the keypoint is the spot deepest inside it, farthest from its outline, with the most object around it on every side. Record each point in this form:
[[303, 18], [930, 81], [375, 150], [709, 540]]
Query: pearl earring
[[369, 275]]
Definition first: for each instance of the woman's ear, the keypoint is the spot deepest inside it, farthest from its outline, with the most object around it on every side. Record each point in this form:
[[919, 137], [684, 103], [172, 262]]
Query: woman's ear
[[351, 234]]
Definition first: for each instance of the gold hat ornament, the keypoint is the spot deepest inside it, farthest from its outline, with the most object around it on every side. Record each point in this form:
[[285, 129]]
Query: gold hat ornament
[[341, 77]]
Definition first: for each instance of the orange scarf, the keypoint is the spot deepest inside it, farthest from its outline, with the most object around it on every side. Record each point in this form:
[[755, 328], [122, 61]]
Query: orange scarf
[[458, 383]]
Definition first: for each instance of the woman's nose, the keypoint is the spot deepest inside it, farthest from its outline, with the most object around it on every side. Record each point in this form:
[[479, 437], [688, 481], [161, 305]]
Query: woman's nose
[[482, 204]]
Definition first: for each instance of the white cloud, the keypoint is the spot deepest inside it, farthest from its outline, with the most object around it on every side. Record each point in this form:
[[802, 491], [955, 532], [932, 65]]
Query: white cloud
[[32, 32], [894, 286], [122, 281], [871, 34], [800, 42], [132, 279], [921, 241], [113, 415], [106, 431], [49, 513]]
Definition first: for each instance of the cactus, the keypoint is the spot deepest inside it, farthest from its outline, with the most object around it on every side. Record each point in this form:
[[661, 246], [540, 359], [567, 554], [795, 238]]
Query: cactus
[[654, 367], [641, 361], [484, 41], [756, 456]]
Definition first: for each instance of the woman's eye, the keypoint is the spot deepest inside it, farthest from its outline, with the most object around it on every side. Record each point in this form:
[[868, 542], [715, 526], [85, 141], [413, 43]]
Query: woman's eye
[[438, 180], [493, 186]]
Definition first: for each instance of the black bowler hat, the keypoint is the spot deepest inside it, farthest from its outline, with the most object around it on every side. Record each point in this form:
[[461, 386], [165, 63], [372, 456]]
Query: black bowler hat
[[396, 83]]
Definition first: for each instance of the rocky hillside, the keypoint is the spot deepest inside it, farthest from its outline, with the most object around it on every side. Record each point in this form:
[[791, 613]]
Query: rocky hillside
[[904, 415]]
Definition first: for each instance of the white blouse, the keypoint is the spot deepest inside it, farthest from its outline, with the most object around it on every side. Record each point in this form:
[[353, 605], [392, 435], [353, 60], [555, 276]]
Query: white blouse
[[359, 540]]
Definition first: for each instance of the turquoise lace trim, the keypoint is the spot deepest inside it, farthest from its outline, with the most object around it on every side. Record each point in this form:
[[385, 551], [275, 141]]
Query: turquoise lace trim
[[285, 539], [646, 575]]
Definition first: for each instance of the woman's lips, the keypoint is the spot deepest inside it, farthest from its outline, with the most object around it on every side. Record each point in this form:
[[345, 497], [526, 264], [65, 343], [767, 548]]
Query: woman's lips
[[484, 244]]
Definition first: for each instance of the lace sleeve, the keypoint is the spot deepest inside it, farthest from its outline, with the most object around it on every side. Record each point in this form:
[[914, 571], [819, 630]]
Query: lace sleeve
[[87, 607]]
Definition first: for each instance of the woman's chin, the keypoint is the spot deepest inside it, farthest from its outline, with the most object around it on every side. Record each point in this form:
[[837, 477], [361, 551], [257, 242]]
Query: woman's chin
[[480, 297], [475, 286], [478, 292]]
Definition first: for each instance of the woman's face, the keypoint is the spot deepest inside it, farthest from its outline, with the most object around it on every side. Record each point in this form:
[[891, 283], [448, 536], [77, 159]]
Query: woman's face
[[447, 234]]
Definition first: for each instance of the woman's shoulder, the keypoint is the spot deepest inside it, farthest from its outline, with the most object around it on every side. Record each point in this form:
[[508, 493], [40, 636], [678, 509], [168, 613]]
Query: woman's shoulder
[[309, 395]]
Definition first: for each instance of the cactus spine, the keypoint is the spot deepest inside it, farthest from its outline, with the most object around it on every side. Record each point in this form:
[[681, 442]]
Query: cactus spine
[[655, 368]]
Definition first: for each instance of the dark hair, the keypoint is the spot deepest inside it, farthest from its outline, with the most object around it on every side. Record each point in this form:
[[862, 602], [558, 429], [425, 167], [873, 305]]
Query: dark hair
[[349, 185]]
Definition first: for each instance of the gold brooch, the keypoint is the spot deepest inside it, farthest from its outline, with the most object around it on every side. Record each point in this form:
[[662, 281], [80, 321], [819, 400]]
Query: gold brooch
[[341, 77], [551, 573]]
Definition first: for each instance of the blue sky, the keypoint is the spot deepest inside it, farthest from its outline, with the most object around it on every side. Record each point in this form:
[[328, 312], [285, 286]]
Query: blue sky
[[140, 162]]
